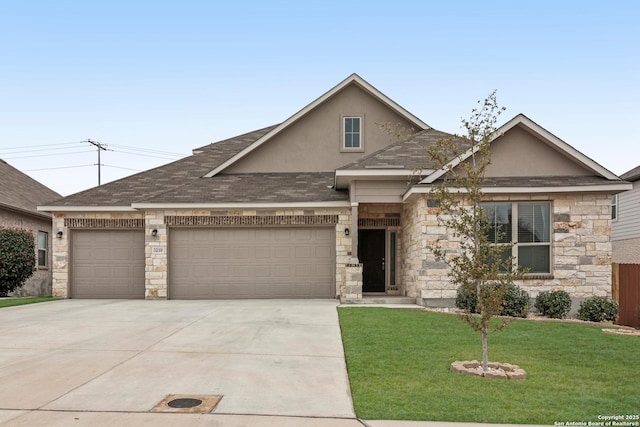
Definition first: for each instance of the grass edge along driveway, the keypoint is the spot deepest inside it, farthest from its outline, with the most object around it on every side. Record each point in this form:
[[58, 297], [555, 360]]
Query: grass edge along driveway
[[12, 302], [398, 362]]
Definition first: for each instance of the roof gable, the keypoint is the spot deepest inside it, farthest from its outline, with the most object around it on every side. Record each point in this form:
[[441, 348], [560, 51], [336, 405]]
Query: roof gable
[[541, 134], [353, 79]]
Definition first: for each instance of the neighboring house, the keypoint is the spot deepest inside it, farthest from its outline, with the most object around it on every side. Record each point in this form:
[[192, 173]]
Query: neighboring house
[[19, 198], [320, 206], [626, 221]]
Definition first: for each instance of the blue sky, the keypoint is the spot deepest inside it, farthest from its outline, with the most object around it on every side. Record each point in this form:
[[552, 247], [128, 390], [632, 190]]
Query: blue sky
[[148, 78]]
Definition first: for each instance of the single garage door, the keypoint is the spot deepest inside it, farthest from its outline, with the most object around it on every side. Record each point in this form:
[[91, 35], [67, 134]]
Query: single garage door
[[107, 264], [210, 263]]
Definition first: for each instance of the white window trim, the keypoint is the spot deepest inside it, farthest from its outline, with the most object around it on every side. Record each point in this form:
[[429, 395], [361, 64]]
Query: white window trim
[[343, 147], [514, 234], [45, 249], [615, 203]]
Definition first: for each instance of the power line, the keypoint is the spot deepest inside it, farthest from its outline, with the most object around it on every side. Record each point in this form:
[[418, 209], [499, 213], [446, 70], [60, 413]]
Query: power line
[[147, 150], [61, 167], [41, 145], [39, 150], [47, 155], [120, 167]]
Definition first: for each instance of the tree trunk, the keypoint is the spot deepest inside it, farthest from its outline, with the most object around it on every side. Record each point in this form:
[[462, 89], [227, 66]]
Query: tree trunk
[[485, 349]]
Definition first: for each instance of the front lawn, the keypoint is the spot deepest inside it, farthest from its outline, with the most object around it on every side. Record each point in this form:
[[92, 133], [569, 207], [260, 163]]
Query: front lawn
[[10, 302], [398, 362]]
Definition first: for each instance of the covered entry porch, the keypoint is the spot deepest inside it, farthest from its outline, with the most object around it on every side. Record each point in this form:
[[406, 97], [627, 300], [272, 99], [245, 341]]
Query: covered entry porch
[[376, 267]]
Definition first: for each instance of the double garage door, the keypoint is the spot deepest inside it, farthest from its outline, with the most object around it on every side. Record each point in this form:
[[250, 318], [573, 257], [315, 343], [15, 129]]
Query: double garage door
[[209, 263]]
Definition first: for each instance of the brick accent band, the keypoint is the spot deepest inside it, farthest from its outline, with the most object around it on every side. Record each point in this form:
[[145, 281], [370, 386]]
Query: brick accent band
[[249, 220], [103, 223], [378, 222]]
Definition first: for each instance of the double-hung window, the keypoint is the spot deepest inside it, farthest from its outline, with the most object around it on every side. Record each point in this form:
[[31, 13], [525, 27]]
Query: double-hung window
[[528, 225], [614, 207], [43, 245], [352, 133]]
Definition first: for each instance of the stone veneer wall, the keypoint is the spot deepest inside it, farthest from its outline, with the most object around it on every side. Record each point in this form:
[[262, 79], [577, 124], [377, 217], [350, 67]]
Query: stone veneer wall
[[581, 248], [40, 283], [156, 248]]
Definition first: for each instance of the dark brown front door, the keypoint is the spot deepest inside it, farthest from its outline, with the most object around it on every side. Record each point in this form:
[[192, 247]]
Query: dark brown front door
[[371, 245]]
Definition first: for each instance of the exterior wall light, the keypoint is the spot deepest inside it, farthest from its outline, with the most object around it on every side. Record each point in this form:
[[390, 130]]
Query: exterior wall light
[[346, 231], [59, 234], [154, 232]]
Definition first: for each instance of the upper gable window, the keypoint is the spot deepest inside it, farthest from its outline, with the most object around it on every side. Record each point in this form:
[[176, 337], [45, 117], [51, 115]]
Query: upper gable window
[[352, 133]]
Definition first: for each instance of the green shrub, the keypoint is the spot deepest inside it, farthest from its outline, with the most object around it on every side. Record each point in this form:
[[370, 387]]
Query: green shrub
[[554, 304], [466, 299], [598, 309], [516, 301], [17, 258]]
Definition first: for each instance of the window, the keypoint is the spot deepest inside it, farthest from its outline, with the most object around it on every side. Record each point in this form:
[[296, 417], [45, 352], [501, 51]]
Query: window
[[43, 242], [614, 207], [352, 133], [531, 232]]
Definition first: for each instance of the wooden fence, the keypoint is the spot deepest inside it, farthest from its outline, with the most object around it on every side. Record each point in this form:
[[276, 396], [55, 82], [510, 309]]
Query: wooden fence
[[626, 291]]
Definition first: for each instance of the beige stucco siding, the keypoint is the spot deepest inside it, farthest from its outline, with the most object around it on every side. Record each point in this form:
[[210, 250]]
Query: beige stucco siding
[[519, 153], [379, 191], [313, 143]]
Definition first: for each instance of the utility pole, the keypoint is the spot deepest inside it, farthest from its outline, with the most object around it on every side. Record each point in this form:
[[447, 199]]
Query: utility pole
[[100, 147]]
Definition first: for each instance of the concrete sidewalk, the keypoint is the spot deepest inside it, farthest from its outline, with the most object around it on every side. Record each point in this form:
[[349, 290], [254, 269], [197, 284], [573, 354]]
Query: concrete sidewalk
[[100, 419]]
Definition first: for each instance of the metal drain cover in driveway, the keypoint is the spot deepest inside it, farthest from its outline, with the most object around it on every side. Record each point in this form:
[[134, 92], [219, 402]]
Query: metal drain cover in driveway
[[187, 403]]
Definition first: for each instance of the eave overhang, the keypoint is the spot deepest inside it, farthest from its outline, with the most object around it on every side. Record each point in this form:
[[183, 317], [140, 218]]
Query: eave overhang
[[86, 209], [291, 205], [615, 187], [345, 176]]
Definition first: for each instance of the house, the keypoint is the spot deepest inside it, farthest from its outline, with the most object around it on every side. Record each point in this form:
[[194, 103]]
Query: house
[[320, 206], [625, 218], [20, 196]]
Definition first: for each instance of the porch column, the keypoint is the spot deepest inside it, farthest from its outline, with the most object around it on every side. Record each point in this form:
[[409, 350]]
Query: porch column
[[354, 230]]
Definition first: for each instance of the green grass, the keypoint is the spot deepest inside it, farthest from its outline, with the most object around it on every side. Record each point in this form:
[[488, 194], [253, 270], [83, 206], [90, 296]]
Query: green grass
[[11, 302], [398, 362]]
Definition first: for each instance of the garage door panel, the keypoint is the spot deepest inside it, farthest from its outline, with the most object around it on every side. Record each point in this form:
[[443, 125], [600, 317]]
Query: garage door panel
[[253, 263], [107, 264]]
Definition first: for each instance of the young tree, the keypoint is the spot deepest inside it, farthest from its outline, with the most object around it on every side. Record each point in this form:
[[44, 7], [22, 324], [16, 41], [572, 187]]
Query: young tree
[[17, 258], [479, 264]]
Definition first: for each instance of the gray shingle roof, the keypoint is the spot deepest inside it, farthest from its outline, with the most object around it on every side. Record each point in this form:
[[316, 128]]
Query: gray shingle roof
[[256, 188], [632, 175], [21, 192], [409, 155]]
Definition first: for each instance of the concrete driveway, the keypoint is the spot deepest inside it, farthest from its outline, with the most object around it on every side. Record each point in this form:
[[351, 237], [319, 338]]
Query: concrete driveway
[[264, 357]]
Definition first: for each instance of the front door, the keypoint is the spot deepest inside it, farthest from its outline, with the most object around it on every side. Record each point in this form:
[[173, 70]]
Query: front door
[[371, 251]]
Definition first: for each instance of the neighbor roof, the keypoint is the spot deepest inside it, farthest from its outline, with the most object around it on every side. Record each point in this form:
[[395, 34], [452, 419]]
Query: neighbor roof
[[20, 192], [632, 175]]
